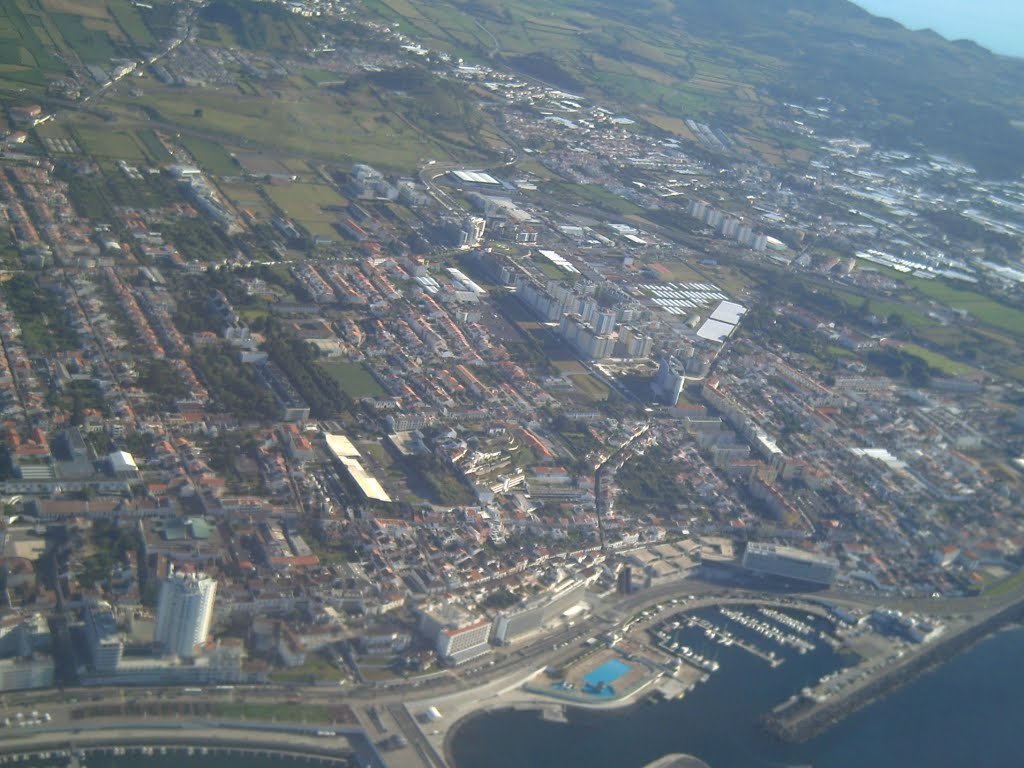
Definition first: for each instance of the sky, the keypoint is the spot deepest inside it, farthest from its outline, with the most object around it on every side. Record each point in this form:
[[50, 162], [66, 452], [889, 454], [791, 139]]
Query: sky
[[995, 24]]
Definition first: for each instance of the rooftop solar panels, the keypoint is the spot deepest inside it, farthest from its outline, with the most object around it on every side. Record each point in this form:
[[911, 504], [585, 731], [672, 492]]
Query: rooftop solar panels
[[673, 296]]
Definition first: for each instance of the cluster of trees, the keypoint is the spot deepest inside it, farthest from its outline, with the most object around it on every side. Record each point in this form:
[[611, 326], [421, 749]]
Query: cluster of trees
[[196, 239], [897, 364], [83, 395], [298, 359], [159, 379], [258, 27], [233, 384], [44, 324], [546, 69], [765, 324], [111, 543], [648, 482], [503, 598], [427, 100], [962, 228], [443, 486]]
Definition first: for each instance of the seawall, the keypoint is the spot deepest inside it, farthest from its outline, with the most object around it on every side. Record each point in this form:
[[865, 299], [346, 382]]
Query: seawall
[[801, 723]]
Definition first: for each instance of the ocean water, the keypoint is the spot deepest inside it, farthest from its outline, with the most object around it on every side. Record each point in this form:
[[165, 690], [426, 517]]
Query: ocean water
[[994, 24], [966, 714]]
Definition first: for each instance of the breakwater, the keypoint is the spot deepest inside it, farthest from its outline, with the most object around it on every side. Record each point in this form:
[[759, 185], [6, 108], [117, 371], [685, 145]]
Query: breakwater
[[801, 720]]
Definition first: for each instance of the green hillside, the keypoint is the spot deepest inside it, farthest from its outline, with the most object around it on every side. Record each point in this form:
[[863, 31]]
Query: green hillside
[[737, 60]]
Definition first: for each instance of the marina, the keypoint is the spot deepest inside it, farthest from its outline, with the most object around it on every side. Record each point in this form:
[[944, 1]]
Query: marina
[[776, 626]]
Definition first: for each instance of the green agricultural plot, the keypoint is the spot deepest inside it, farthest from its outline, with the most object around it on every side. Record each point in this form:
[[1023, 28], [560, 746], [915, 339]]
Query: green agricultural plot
[[936, 360], [90, 39], [211, 156], [153, 147], [592, 194], [321, 76], [309, 205], [257, 26], [986, 310], [26, 46], [316, 669], [354, 379], [247, 197], [589, 386], [312, 122], [116, 145], [128, 19]]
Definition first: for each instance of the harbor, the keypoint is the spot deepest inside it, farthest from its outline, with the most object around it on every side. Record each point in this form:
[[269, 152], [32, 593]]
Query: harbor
[[835, 696], [916, 725]]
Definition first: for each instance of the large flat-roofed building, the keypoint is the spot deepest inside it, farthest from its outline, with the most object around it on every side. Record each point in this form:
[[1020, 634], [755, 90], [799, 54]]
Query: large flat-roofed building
[[457, 634], [515, 622], [346, 454], [459, 644], [123, 465], [530, 616], [790, 563], [23, 673], [106, 643]]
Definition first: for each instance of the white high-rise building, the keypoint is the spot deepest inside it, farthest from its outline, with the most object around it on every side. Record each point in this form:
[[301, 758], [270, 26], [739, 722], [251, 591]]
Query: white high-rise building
[[183, 613]]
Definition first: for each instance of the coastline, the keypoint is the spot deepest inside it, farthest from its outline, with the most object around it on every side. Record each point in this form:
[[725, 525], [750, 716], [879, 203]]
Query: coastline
[[529, 701], [506, 693], [812, 721], [818, 719]]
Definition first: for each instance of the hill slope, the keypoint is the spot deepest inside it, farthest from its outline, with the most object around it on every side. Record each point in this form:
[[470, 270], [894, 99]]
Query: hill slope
[[736, 60]]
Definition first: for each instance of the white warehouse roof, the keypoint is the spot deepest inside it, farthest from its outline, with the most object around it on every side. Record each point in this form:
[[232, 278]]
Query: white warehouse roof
[[475, 177]]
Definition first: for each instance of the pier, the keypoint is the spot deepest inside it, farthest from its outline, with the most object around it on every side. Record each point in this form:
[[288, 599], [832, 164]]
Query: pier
[[767, 630], [749, 647]]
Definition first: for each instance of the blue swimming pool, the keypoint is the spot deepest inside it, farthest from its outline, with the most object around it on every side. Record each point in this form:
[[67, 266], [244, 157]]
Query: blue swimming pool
[[606, 674]]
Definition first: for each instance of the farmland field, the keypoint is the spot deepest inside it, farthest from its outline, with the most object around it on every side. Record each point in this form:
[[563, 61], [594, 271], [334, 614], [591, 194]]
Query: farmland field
[[306, 203], [210, 156]]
